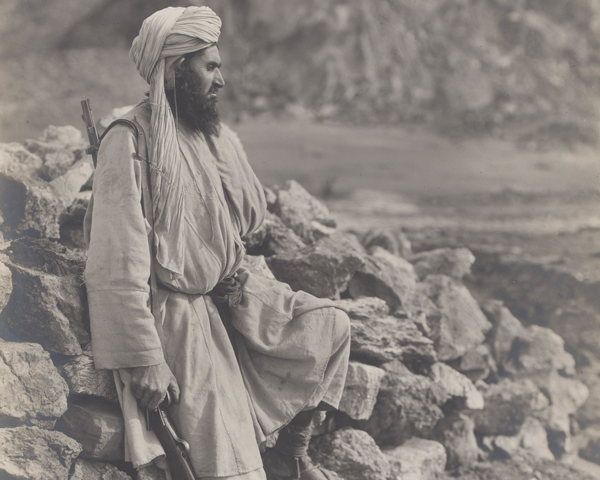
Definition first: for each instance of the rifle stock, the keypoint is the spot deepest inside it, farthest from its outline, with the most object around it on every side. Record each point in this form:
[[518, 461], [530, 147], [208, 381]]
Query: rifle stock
[[176, 449]]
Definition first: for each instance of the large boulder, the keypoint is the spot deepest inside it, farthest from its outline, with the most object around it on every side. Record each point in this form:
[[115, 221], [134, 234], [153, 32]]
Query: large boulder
[[88, 470], [477, 364], [59, 148], [32, 393], [151, 472], [272, 237], [591, 451], [83, 379], [363, 308], [33, 206], [531, 440], [257, 265], [384, 275], [16, 159], [462, 325], [98, 426], [35, 454], [48, 304], [383, 339], [71, 221], [322, 269], [506, 329], [457, 386], [360, 390], [456, 434], [352, 454], [392, 240], [407, 405], [566, 395], [453, 262], [300, 211], [507, 405], [5, 285], [417, 459], [538, 351]]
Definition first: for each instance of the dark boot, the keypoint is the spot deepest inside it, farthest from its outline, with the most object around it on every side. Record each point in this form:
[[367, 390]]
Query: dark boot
[[289, 460]]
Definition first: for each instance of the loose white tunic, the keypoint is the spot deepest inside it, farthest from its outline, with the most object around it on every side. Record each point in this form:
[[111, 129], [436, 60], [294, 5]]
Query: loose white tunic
[[285, 352]]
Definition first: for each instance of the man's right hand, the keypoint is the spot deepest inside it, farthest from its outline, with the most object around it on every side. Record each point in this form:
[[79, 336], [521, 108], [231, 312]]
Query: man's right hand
[[150, 385]]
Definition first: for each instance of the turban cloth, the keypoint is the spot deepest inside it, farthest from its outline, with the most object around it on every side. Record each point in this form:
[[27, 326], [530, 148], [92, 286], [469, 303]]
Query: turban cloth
[[164, 37]]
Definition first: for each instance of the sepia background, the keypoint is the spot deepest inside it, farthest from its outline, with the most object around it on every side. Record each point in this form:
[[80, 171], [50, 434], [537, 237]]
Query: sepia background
[[441, 123]]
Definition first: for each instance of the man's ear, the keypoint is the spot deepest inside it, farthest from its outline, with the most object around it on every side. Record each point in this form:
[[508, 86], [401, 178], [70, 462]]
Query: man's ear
[[178, 63], [171, 68]]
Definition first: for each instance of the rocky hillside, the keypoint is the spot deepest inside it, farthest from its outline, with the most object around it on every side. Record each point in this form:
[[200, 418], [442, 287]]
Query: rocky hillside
[[439, 384], [529, 69]]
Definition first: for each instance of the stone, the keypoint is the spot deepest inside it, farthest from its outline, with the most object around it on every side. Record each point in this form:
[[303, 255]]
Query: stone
[[591, 451], [32, 392], [59, 148], [417, 459], [532, 440], [151, 472], [456, 434], [360, 390], [506, 329], [16, 159], [75, 212], [453, 262], [49, 303], [363, 308], [5, 285], [258, 265], [322, 269], [462, 325], [384, 275], [97, 425], [407, 405], [83, 379], [538, 351], [507, 404], [394, 241], [477, 364], [272, 237], [32, 206], [299, 209], [566, 395], [71, 221], [68, 185], [457, 386], [35, 454], [383, 339], [88, 470], [352, 454]]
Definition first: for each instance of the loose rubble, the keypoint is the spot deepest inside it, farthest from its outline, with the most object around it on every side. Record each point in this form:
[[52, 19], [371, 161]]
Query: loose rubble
[[436, 382]]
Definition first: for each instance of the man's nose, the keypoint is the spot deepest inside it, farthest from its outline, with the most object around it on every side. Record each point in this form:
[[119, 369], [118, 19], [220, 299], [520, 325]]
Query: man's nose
[[218, 79]]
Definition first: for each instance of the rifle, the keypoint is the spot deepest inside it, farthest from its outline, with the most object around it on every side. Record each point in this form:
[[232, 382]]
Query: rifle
[[90, 127], [176, 449]]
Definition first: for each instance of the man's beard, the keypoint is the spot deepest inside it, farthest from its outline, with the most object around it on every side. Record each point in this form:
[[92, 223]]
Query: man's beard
[[187, 102]]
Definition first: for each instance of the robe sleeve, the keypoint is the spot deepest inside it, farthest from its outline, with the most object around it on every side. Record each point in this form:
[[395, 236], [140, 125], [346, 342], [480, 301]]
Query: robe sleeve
[[118, 265]]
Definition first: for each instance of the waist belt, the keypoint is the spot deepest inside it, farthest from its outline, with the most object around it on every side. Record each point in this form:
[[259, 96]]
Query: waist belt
[[227, 292]]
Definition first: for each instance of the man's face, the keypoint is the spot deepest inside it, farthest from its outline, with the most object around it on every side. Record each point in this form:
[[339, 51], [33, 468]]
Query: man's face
[[197, 81], [206, 65]]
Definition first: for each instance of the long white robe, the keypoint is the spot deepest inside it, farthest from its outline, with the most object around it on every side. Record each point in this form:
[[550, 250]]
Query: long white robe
[[285, 352]]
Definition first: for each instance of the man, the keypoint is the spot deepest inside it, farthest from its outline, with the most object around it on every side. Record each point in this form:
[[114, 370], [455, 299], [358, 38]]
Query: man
[[262, 361]]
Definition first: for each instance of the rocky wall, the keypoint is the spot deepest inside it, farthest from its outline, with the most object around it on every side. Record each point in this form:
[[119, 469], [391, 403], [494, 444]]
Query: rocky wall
[[438, 384]]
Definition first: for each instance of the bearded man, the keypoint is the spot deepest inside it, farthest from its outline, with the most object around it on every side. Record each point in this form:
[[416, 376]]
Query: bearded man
[[262, 361]]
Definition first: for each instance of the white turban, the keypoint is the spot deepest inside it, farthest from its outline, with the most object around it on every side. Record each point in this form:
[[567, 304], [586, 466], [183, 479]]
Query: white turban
[[164, 37]]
